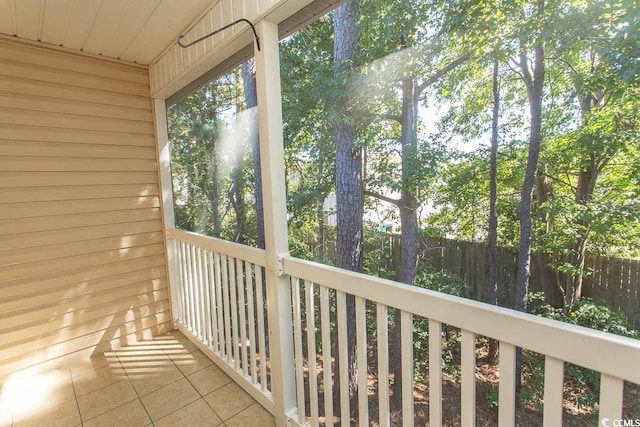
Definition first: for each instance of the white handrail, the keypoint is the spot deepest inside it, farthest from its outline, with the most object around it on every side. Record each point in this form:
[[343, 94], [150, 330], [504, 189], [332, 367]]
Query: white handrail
[[610, 354], [236, 250]]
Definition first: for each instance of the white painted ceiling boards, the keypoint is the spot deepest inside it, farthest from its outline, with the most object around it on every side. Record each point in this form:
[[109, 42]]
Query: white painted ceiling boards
[[131, 30]]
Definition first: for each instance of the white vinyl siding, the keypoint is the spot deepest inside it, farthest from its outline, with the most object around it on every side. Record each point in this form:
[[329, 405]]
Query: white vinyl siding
[[82, 265]]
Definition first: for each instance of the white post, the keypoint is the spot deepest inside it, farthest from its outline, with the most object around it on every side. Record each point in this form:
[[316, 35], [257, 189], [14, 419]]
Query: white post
[[275, 221], [164, 162], [163, 151]]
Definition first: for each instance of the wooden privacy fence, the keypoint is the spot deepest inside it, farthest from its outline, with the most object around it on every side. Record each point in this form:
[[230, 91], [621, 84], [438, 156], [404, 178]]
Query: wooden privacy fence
[[614, 280]]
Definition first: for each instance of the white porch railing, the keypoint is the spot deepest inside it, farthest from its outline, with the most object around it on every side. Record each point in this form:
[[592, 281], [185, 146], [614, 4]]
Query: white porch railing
[[218, 299], [617, 358], [217, 295]]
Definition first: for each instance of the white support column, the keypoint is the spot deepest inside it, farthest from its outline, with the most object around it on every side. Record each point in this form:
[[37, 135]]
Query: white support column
[[163, 152], [275, 220], [164, 162]]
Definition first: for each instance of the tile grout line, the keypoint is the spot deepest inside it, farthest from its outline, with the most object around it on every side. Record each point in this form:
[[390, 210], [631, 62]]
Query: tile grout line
[[242, 410], [165, 352], [203, 398], [183, 377], [134, 390], [223, 424], [119, 406], [170, 359], [224, 421], [75, 395]]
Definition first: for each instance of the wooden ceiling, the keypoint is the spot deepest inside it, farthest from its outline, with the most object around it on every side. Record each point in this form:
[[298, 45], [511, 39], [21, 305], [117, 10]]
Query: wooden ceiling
[[131, 30]]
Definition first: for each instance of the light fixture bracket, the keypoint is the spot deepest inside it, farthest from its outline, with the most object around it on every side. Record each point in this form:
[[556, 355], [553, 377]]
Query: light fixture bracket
[[206, 36]]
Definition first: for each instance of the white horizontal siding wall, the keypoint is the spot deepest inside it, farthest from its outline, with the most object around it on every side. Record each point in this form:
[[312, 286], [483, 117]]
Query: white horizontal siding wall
[[82, 263], [176, 67]]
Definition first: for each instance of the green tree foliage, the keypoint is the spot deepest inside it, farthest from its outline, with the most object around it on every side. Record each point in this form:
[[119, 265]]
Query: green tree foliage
[[307, 101], [585, 189], [420, 86], [210, 134], [586, 183], [193, 129]]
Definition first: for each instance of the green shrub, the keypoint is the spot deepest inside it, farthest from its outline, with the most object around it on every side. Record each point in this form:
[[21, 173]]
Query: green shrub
[[586, 312], [443, 282], [299, 249], [452, 285], [583, 384]]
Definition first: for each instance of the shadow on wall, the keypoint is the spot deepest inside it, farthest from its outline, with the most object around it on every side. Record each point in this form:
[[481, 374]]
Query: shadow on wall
[[84, 297]]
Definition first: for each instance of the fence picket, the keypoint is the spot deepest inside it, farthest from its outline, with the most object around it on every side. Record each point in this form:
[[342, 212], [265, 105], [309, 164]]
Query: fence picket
[[200, 301], [310, 316], [297, 345], [220, 306], [233, 301], [251, 307], [361, 349], [341, 322], [612, 279], [242, 280], [326, 355], [262, 337], [468, 393], [611, 393], [383, 366], [435, 373], [181, 283], [197, 324], [212, 302], [553, 387], [406, 337], [507, 385], [227, 308], [190, 287], [207, 285]]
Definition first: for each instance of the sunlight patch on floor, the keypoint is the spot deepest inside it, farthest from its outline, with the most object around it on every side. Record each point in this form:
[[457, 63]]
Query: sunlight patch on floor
[[30, 392]]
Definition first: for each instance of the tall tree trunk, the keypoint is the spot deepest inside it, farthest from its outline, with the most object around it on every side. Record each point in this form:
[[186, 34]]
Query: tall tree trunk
[[212, 182], [526, 196], [492, 244], [236, 199], [534, 80], [349, 185], [214, 191], [407, 270], [587, 178], [548, 281], [320, 213], [251, 101], [492, 296], [215, 214], [408, 204], [584, 193]]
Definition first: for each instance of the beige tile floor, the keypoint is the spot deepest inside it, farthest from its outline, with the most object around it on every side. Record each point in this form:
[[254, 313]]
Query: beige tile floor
[[164, 382]]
